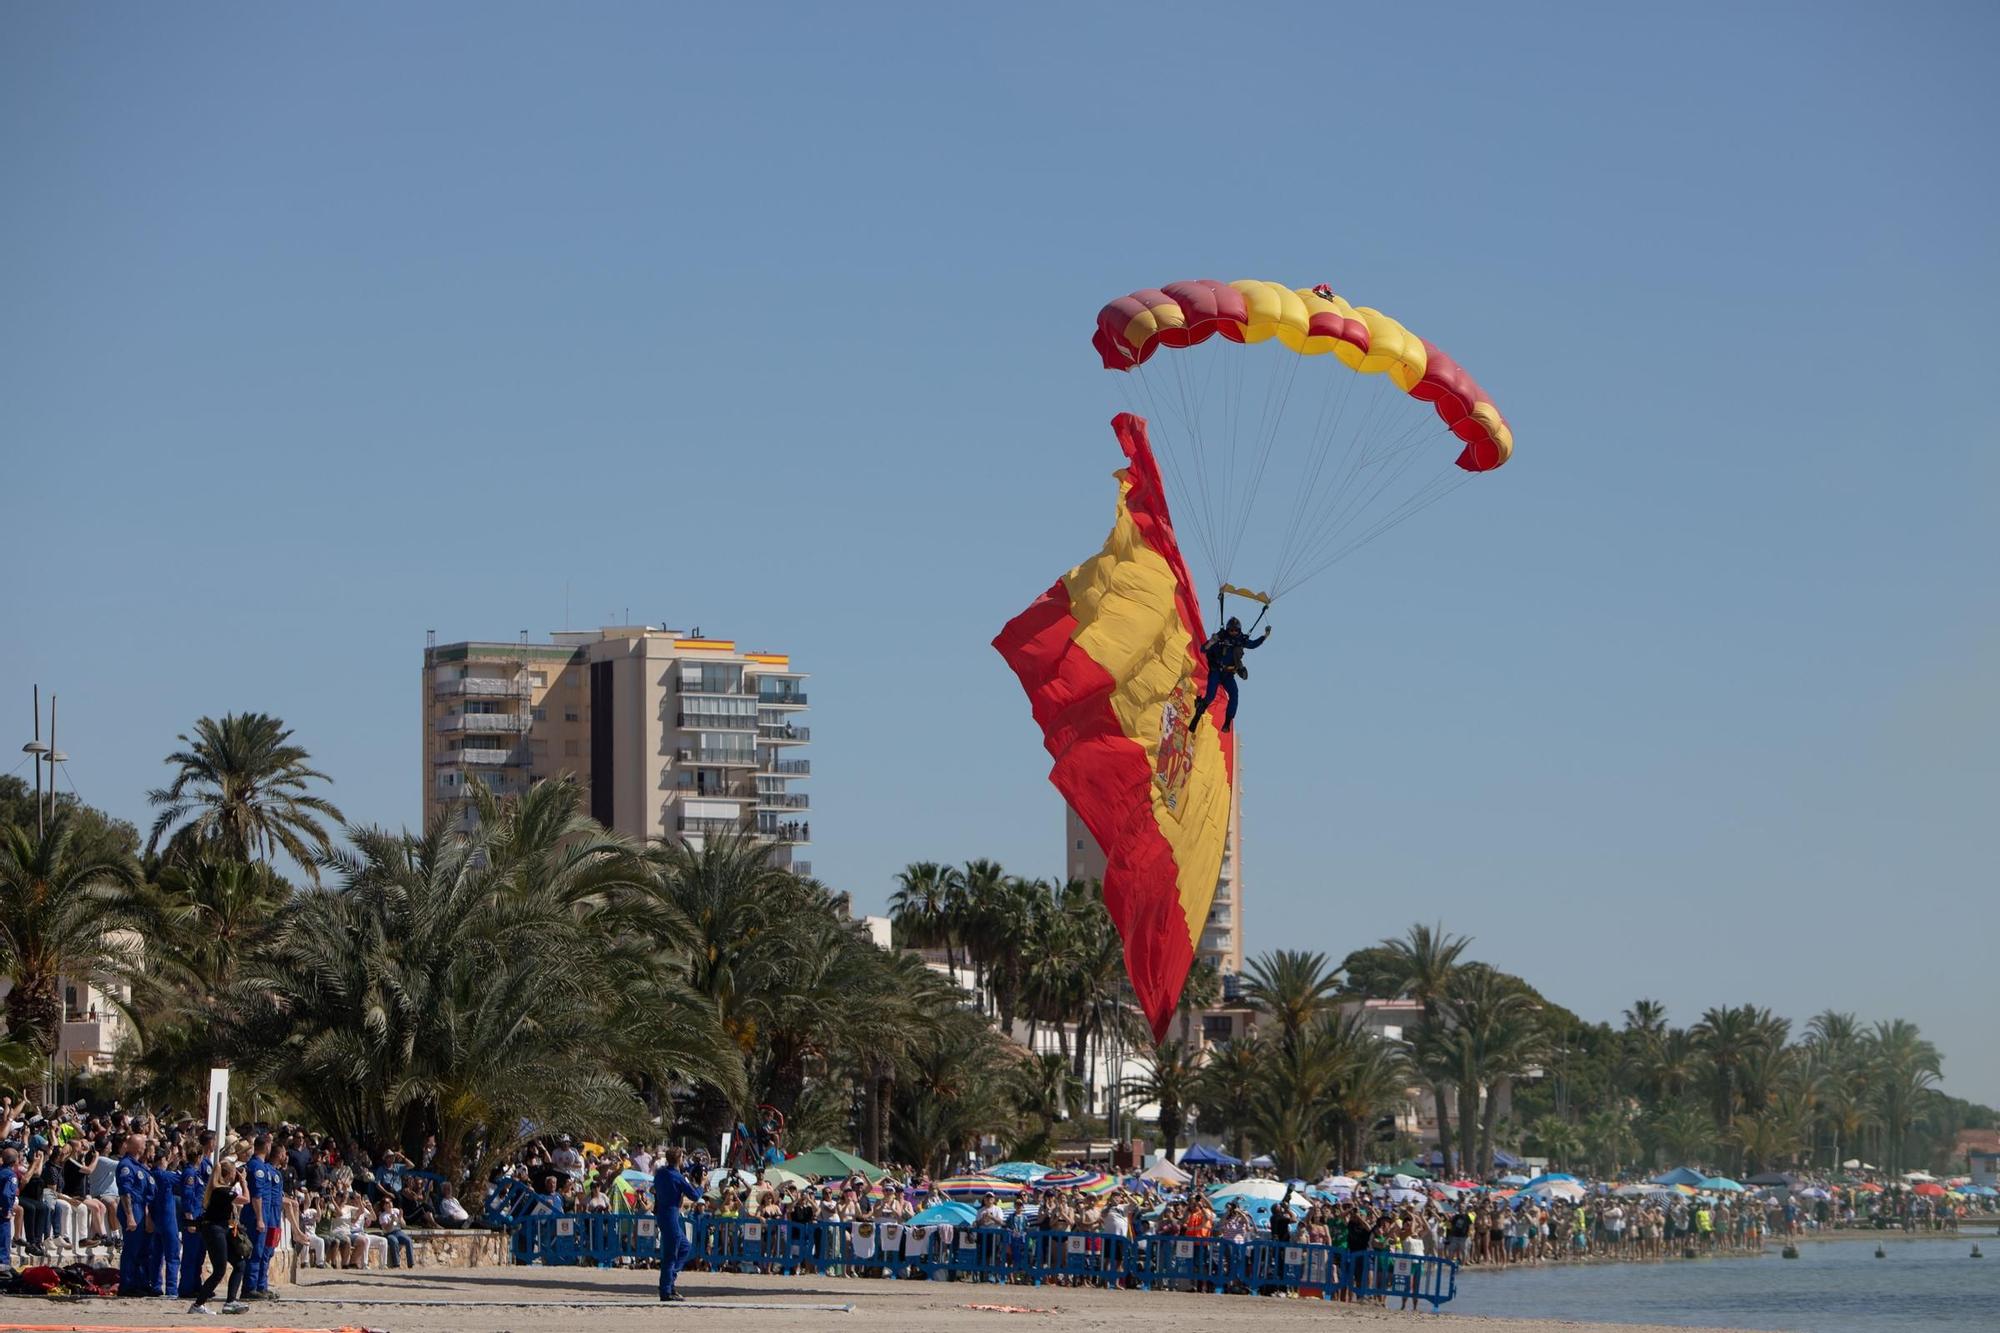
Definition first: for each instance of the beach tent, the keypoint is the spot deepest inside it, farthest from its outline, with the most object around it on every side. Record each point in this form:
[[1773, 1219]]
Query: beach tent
[[1166, 1173], [1720, 1184], [1680, 1175], [1262, 1160], [1778, 1178], [827, 1162], [1412, 1169], [1203, 1155], [950, 1213]]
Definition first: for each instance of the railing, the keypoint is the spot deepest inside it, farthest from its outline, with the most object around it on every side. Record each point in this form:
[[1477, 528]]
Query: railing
[[804, 868], [707, 824], [484, 722], [782, 731], [779, 800], [715, 722], [793, 832], [792, 699], [798, 768], [987, 1254], [483, 687], [724, 791], [480, 756], [722, 758]]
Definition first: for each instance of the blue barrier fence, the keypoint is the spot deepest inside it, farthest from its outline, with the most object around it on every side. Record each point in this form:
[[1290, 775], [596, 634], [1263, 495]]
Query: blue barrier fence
[[972, 1254]]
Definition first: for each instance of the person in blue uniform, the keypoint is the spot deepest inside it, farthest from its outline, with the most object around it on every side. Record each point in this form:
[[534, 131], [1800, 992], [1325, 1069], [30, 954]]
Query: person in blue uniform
[[135, 1194], [1224, 652], [10, 1192], [194, 1189], [262, 1208], [670, 1187], [164, 1276]]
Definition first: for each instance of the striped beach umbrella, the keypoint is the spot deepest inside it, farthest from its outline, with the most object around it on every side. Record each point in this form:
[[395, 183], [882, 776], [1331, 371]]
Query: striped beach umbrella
[[973, 1187], [1082, 1181]]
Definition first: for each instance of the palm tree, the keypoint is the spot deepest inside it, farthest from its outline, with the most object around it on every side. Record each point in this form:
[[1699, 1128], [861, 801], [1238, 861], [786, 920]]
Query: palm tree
[[1683, 1131], [243, 790], [917, 907], [1488, 1033], [1730, 1036], [1201, 991], [1226, 1090], [1292, 986], [62, 913], [1168, 1083], [1607, 1133], [1557, 1139], [1906, 1071], [1420, 965]]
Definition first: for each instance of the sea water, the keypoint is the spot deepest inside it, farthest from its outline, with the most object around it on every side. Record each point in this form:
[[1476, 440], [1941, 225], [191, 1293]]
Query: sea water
[[1834, 1286]]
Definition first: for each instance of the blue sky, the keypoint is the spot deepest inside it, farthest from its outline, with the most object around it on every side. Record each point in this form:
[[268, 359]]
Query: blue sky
[[321, 327]]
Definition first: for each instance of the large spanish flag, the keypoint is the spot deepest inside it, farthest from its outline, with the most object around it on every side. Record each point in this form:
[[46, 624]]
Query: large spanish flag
[[1111, 660]]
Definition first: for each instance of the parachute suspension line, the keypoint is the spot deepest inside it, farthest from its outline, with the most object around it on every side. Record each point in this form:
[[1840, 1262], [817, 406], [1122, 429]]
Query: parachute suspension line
[[1316, 491], [1333, 405], [1152, 411], [1352, 498], [1193, 400], [1256, 482], [1433, 491]]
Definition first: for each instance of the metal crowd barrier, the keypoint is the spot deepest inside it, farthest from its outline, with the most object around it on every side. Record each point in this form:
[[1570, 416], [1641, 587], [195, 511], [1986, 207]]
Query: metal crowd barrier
[[978, 1254]]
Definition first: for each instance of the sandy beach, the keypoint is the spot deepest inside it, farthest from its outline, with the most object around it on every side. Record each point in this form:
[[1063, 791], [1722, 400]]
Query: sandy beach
[[512, 1300]]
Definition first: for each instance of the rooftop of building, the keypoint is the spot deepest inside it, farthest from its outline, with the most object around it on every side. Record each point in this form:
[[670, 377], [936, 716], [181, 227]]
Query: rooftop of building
[[566, 645]]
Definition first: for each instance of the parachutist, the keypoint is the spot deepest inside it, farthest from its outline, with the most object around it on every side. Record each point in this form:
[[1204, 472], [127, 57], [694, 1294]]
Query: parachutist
[[1224, 652]]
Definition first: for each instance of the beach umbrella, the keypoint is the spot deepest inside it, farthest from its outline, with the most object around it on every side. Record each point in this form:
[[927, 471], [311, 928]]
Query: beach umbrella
[[1815, 1192], [1399, 1194], [1721, 1184], [950, 1213], [1028, 1171], [1636, 1191], [721, 1176], [1680, 1175], [1250, 1189], [1084, 1181], [1547, 1176], [1337, 1183], [1924, 1176], [1930, 1189], [1557, 1189], [827, 1162], [1166, 1173], [1261, 1159], [631, 1177], [973, 1187], [1514, 1182], [780, 1176]]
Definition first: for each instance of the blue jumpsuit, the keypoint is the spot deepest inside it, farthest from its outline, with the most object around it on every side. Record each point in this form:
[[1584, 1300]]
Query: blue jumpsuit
[[10, 1191], [194, 1186], [669, 1188], [263, 1184], [1224, 653], [135, 1197], [163, 1277]]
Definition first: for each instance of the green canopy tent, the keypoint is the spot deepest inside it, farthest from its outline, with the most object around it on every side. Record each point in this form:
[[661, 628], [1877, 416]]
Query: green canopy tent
[[827, 1162], [1412, 1169]]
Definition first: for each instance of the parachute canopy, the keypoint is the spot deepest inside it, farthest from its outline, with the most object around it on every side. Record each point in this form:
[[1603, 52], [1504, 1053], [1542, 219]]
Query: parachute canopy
[[1225, 419], [1111, 659]]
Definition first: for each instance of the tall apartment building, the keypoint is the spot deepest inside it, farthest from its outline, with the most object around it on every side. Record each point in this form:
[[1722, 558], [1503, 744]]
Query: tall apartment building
[[675, 735], [1222, 934]]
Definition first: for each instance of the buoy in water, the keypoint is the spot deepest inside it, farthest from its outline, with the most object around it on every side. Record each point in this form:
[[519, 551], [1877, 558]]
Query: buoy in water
[[1880, 1253], [1975, 1251], [1790, 1252], [1688, 1253]]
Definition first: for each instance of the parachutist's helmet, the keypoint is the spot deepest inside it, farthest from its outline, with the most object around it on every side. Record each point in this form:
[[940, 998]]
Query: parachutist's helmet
[[1234, 623]]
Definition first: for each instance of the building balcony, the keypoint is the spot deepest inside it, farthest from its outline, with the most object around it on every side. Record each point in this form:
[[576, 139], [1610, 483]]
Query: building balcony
[[483, 687], [791, 768], [481, 755], [783, 800], [781, 699], [698, 824], [799, 867], [714, 722], [783, 733], [709, 791], [696, 754], [484, 722], [88, 1037], [790, 832]]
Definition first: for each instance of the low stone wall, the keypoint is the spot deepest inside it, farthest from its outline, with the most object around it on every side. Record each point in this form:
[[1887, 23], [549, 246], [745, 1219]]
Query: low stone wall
[[434, 1249]]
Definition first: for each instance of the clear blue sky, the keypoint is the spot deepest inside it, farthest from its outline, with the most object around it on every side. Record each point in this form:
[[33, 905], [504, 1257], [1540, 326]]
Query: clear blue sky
[[324, 326]]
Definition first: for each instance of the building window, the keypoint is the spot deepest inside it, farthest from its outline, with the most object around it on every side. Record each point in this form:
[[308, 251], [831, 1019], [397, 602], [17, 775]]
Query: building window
[[571, 748], [541, 714], [570, 715], [1217, 1027], [538, 678], [1079, 844]]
